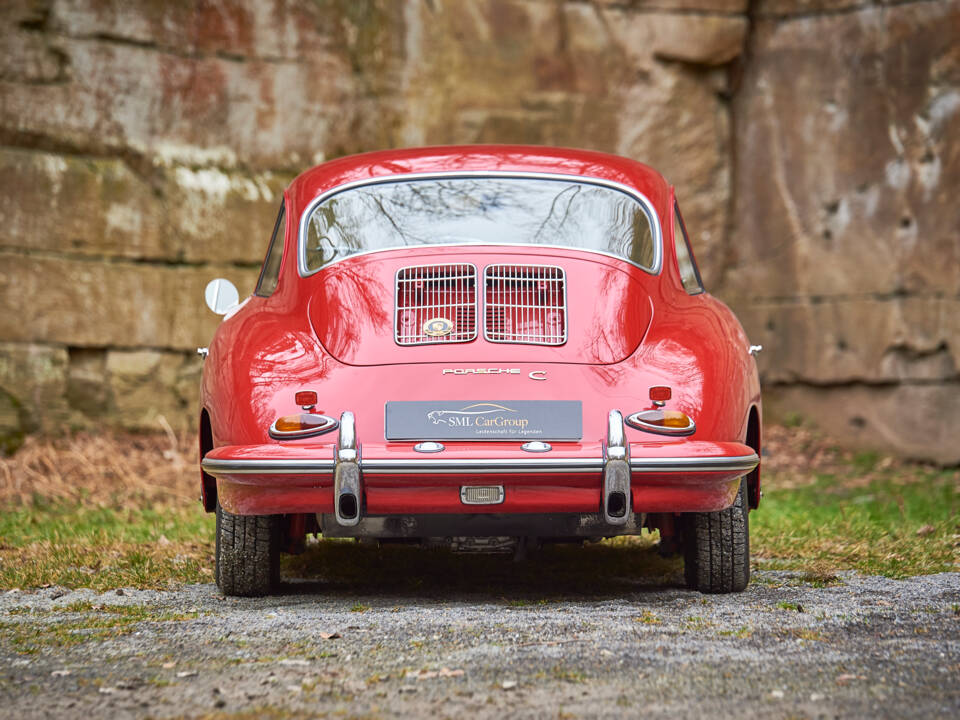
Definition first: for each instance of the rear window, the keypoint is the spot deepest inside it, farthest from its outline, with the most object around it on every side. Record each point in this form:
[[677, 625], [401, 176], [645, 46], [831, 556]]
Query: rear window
[[498, 210]]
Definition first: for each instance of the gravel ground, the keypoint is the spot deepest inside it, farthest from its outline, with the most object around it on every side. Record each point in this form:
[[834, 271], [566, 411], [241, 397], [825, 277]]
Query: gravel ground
[[863, 647]]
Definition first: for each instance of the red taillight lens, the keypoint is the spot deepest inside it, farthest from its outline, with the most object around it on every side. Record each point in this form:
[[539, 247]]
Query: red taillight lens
[[306, 397], [660, 393]]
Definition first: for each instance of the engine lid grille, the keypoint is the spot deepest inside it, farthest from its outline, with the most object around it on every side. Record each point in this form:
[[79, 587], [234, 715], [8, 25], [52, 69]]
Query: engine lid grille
[[525, 304], [426, 294]]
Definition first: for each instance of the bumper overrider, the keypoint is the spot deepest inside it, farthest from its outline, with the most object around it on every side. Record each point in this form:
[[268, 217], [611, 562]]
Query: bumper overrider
[[381, 489]]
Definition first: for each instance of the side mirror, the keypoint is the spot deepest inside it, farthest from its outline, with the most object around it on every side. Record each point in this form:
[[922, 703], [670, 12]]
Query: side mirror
[[221, 296]]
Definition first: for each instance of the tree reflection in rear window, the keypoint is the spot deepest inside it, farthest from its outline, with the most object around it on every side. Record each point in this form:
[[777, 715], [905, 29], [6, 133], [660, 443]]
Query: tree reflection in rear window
[[455, 210]]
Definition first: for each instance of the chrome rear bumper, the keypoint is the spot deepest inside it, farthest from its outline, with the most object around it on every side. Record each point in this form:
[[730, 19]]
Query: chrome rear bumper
[[623, 469], [488, 466]]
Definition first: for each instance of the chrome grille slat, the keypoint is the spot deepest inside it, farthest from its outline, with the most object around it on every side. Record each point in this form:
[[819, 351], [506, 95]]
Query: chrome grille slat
[[427, 292], [525, 304]]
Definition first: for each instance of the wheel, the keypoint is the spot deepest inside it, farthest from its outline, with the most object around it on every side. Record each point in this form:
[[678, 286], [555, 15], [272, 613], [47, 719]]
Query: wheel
[[248, 553], [716, 547]]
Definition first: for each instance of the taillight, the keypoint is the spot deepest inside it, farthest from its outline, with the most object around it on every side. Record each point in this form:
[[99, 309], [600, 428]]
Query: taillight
[[663, 422], [306, 399], [290, 427]]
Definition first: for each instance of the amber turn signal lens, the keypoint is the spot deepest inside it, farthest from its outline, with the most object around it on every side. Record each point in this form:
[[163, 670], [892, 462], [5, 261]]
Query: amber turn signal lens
[[672, 419], [300, 423], [293, 427], [663, 422]]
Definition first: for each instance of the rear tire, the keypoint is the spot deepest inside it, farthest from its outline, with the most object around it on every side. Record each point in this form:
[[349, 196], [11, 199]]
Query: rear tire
[[717, 547], [248, 553]]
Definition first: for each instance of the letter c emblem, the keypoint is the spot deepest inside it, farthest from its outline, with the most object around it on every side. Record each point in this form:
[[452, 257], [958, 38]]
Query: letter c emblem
[[538, 375]]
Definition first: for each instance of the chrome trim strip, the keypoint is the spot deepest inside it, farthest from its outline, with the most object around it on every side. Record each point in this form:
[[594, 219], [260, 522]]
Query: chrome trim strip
[[645, 203], [744, 463], [216, 467], [489, 466]]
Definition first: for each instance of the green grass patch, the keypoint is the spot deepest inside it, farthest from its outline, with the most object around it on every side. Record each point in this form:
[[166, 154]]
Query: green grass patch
[[789, 606], [896, 523], [61, 629], [102, 547], [741, 633], [862, 512], [62, 522]]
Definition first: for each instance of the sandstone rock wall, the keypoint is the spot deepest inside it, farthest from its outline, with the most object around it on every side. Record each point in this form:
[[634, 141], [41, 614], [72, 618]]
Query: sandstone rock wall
[[843, 258], [144, 146]]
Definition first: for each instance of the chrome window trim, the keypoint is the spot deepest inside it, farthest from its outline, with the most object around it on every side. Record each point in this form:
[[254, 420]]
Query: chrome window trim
[[645, 203], [279, 233], [414, 466], [678, 219]]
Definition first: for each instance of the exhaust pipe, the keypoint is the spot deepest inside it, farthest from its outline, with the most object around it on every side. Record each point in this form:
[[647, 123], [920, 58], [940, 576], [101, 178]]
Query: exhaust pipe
[[347, 483], [616, 473]]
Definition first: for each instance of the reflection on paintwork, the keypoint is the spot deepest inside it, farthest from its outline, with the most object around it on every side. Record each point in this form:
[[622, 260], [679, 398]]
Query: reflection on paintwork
[[349, 309], [525, 211], [350, 304], [627, 330]]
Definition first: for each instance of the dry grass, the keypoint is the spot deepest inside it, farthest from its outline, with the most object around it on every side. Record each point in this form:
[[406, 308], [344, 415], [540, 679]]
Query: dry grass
[[798, 456], [109, 470], [103, 511]]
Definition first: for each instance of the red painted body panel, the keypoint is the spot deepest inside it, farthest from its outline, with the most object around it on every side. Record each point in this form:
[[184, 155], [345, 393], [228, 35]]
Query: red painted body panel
[[351, 308], [333, 333]]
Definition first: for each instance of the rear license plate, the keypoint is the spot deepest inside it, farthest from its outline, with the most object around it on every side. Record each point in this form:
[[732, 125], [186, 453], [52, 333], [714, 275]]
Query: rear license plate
[[485, 420]]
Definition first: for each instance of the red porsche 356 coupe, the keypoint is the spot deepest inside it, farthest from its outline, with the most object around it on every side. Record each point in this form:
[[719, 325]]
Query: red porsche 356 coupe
[[487, 347]]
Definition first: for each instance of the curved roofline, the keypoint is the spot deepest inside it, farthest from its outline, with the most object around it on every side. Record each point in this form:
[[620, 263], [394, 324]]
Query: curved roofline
[[587, 164]]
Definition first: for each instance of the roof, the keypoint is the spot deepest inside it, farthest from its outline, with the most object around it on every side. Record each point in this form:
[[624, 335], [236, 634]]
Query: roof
[[472, 158]]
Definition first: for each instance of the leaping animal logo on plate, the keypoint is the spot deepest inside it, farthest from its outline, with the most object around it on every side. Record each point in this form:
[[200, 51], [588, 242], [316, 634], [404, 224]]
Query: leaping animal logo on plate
[[445, 416]]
